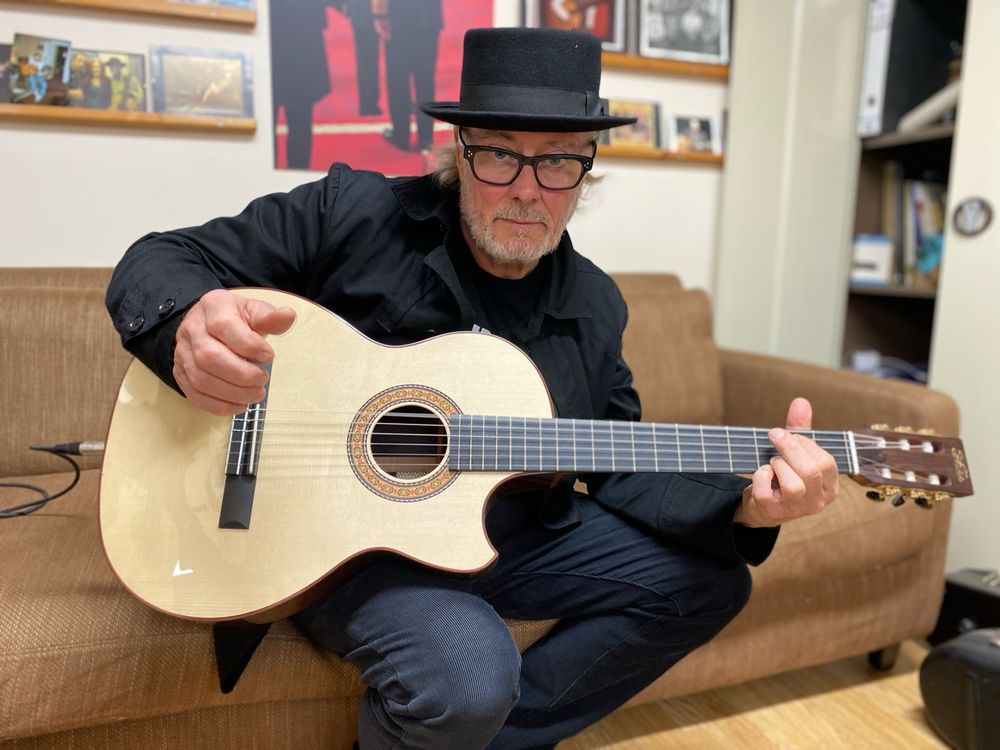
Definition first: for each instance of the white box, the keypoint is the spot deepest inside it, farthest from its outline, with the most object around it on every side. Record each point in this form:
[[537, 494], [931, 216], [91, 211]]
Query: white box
[[872, 260]]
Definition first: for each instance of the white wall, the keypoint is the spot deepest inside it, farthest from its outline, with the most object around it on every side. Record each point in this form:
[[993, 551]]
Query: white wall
[[77, 195]]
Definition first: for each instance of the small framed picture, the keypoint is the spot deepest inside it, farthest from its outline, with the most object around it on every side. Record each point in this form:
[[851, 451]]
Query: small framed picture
[[690, 30], [35, 70], [106, 80], [605, 19], [201, 81], [693, 134], [644, 133]]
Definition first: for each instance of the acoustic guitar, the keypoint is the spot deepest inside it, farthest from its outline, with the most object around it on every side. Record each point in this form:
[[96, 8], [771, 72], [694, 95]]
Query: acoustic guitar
[[360, 448]]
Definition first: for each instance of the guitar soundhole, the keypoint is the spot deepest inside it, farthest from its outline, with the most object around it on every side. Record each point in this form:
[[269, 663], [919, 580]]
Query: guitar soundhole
[[408, 442]]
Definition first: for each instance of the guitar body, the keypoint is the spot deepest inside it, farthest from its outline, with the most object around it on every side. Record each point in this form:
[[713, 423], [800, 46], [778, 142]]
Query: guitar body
[[321, 496]]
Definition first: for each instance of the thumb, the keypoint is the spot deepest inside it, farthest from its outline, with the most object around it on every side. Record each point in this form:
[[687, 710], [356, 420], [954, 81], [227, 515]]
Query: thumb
[[265, 318], [800, 414]]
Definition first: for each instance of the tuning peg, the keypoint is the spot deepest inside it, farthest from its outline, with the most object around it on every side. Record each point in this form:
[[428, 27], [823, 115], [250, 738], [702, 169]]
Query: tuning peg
[[927, 431], [875, 495], [898, 500], [881, 426], [902, 428]]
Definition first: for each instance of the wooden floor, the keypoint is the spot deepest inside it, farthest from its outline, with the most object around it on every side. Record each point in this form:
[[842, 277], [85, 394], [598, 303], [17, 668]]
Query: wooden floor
[[844, 704]]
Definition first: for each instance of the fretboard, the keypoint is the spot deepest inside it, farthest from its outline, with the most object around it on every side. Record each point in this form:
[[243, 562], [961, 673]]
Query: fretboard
[[485, 443]]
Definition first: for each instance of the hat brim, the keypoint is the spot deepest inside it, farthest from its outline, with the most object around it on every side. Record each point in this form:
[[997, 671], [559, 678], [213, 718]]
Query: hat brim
[[451, 112]]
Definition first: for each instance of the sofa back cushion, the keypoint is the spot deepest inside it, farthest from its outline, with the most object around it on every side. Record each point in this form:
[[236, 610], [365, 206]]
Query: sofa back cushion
[[62, 363], [668, 344]]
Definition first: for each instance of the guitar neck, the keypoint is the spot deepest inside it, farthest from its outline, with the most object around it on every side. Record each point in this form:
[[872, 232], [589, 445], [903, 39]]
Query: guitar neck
[[487, 443]]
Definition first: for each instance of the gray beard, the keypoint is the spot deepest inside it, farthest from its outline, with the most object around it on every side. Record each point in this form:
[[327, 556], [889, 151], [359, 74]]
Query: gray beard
[[518, 249]]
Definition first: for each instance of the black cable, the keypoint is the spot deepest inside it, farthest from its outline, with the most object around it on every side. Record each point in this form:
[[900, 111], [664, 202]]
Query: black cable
[[64, 451]]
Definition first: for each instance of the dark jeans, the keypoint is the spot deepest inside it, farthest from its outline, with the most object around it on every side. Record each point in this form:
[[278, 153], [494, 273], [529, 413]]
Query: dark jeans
[[443, 669]]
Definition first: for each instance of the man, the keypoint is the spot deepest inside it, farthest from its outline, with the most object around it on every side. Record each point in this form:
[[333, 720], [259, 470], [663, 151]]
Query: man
[[410, 30], [640, 573]]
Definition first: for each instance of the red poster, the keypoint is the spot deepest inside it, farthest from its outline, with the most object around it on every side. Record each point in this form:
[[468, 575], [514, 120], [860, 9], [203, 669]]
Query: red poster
[[348, 78]]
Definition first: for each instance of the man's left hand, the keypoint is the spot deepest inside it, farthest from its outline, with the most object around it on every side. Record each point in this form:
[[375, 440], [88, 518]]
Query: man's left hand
[[800, 481]]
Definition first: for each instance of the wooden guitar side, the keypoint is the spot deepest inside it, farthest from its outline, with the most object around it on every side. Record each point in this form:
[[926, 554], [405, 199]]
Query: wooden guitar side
[[164, 471]]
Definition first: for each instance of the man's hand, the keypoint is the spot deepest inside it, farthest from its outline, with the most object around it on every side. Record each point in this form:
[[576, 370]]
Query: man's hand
[[214, 342], [799, 482]]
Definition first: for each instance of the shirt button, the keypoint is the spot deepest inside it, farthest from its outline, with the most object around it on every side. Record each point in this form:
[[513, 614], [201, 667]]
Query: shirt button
[[136, 323], [166, 306]]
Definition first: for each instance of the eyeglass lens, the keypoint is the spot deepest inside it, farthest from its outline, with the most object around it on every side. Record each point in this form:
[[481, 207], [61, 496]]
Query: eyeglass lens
[[500, 168]]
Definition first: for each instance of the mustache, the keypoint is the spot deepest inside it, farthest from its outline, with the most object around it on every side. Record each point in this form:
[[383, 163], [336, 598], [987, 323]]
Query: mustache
[[521, 214]]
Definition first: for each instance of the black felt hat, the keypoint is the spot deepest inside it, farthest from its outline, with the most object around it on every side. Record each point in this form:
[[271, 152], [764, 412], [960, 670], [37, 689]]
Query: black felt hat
[[541, 80]]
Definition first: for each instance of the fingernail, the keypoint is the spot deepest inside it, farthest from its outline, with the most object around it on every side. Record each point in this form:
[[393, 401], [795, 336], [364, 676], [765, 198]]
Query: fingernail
[[777, 433]]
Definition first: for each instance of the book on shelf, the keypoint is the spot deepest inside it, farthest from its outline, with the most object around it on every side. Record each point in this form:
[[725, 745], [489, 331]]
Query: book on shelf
[[913, 219]]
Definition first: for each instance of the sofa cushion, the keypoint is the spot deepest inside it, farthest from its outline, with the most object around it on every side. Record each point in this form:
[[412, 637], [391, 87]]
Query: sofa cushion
[[668, 344], [78, 650], [62, 364]]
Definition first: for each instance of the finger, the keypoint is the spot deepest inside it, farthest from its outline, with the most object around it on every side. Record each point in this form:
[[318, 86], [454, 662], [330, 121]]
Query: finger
[[791, 487], [230, 325], [829, 472], [766, 498], [267, 319], [211, 385], [205, 401], [207, 354], [799, 414]]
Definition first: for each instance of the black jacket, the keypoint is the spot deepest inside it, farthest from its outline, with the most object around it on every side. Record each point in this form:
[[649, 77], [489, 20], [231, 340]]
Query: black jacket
[[372, 250]]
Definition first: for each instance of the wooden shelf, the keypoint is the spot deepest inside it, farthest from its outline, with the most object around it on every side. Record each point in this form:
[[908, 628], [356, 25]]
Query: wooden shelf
[[194, 11], [890, 140], [622, 61], [893, 291], [657, 154], [115, 118]]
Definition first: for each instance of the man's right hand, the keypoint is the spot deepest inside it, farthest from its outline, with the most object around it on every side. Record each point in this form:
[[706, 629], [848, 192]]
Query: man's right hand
[[217, 344]]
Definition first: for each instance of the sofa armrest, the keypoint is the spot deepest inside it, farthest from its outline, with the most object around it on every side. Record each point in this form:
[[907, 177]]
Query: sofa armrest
[[757, 389]]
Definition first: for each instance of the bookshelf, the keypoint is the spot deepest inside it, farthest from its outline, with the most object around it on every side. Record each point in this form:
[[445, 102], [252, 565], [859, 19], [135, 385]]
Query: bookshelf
[[894, 167], [164, 8], [117, 119]]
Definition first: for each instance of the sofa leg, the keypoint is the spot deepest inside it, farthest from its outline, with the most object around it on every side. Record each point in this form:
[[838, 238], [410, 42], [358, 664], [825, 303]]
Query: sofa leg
[[885, 658]]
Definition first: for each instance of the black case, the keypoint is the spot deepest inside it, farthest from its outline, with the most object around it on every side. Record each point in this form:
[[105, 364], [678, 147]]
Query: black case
[[971, 601], [960, 685]]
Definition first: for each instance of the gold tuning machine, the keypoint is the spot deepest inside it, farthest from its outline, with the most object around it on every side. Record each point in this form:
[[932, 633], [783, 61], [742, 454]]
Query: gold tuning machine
[[881, 427], [883, 492], [902, 428]]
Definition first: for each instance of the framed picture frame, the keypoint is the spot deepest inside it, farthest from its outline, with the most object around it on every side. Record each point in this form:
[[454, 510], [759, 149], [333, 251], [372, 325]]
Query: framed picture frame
[[688, 30], [693, 134], [193, 81], [97, 79], [35, 70], [644, 133], [605, 19]]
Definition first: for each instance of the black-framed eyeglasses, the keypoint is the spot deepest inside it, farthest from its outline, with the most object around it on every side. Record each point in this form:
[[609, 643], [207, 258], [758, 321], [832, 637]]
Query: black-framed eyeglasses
[[498, 166]]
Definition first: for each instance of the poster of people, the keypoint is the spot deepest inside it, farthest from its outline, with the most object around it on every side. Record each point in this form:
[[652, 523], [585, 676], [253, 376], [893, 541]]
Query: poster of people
[[348, 76]]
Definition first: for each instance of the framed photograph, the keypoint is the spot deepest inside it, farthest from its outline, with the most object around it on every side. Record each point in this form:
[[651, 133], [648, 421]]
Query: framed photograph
[[694, 134], [691, 30], [644, 133], [35, 70], [201, 81], [6, 70], [604, 19], [106, 80]]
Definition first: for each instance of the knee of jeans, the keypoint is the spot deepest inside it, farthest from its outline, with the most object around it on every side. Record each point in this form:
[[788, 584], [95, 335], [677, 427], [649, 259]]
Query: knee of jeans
[[475, 686]]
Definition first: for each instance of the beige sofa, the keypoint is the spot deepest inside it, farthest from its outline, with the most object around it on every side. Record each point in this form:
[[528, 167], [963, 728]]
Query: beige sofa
[[84, 665]]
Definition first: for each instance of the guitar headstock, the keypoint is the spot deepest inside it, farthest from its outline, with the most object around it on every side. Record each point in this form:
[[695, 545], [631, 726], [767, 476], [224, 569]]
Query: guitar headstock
[[902, 464]]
